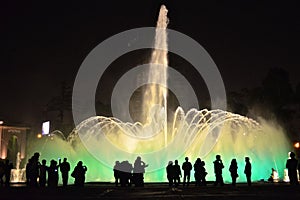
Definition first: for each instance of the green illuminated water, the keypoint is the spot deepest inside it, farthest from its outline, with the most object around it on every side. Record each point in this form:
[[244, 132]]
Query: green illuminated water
[[266, 145]]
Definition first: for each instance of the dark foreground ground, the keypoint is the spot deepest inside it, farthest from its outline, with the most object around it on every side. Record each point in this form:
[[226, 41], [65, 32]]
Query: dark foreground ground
[[155, 191]]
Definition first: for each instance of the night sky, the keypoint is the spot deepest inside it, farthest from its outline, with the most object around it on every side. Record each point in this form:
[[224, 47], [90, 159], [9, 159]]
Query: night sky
[[44, 43]]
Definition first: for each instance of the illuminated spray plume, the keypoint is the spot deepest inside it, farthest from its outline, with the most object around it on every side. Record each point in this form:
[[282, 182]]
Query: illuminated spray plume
[[156, 95]]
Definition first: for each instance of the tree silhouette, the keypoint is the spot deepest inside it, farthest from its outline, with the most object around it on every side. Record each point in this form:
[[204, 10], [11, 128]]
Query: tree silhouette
[[276, 89], [237, 102], [273, 100], [61, 103]]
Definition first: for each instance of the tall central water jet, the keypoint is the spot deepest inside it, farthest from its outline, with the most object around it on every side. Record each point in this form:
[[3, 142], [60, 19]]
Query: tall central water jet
[[155, 96]]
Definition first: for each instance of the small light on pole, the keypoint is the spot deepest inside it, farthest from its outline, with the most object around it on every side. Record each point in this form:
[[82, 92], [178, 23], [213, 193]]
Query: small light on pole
[[39, 135], [297, 145]]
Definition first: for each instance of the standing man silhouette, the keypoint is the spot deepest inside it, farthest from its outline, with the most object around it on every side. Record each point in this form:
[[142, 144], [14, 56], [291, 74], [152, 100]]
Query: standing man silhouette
[[64, 169], [43, 173], [291, 165], [247, 170], [117, 172], [177, 174], [7, 172], [138, 171], [218, 166], [79, 174], [233, 171], [186, 167], [170, 173]]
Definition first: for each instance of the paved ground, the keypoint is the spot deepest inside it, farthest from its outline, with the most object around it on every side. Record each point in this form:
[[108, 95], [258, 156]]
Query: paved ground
[[155, 191]]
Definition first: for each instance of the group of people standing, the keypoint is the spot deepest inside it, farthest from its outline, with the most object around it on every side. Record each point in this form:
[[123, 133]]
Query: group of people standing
[[233, 171], [174, 172], [126, 174], [39, 174]]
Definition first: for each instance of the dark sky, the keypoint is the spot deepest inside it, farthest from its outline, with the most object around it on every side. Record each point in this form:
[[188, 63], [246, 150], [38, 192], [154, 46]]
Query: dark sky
[[45, 42]]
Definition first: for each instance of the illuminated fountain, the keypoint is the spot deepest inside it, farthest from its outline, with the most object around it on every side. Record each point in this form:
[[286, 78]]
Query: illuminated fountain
[[99, 141], [18, 175]]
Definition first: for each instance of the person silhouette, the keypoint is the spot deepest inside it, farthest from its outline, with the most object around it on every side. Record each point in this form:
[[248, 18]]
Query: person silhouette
[[170, 173], [291, 165], [125, 173], [233, 171], [53, 174], [32, 169], [186, 167], [197, 172], [116, 170], [203, 173], [43, 173], [138, 171], [28, 171], [64, 169], [79, 174], [218, 166], [7, 172], [247, 170], [177, 174]]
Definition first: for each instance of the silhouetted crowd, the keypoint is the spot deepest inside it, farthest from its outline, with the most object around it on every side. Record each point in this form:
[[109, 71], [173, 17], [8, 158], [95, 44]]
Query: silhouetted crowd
[[174, 172], [125, 174], [42, 175]]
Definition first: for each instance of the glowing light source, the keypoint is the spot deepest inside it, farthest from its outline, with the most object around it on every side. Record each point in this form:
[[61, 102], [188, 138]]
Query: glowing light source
[[39, 135], [286, 176], [297, 145], [275, 176], [46, 128]]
